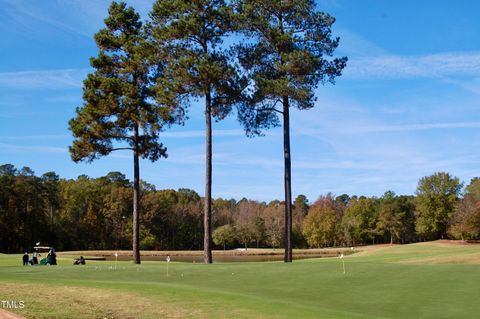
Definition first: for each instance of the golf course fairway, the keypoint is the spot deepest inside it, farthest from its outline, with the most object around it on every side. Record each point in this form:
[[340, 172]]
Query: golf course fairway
[[425, 280]]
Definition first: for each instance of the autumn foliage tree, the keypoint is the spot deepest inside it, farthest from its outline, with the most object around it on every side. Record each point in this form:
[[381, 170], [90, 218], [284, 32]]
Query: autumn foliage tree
[[287, 55], [319, 225], [120, 110], [465, 221], [274, 223]]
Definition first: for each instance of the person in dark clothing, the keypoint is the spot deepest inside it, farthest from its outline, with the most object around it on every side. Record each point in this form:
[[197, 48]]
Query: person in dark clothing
[[25, 259], [35, 256], [79, 261], [52, 257]]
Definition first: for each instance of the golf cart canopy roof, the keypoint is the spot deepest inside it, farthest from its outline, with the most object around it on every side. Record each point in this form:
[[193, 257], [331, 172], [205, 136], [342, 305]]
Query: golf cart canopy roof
[[43, 247]]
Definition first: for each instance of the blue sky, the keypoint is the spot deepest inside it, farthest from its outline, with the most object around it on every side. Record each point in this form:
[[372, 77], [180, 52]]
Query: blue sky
[[407, 105]]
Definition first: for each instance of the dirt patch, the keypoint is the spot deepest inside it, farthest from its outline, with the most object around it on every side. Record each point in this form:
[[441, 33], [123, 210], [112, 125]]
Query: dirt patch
[[458, 242], [467, 259]]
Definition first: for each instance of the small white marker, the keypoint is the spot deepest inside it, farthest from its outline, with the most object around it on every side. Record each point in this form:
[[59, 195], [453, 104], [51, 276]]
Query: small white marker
[[116, 257], [168, 262]]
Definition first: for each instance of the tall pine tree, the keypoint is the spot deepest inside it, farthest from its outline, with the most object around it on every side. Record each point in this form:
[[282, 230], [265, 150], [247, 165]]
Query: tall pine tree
[[121, 110], [287, 55], [199, 68]]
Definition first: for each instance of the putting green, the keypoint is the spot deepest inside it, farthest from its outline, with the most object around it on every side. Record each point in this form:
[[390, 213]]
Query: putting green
[[428, 280]]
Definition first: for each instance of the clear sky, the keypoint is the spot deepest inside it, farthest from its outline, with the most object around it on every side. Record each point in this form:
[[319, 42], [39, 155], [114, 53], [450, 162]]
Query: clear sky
[[407, 105]]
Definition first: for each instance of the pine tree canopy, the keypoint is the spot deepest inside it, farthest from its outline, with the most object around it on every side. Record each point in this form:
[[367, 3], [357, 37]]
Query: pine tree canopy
[[199, 64], [288, 54], [122, 109]]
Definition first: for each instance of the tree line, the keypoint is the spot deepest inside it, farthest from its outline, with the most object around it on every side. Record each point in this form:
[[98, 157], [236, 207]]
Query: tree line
[[96, 213], [257, 57]]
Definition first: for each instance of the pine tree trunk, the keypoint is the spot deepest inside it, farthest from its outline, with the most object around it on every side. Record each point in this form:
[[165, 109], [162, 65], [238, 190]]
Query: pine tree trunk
[[207, 238], [287, 180], [136, 199]]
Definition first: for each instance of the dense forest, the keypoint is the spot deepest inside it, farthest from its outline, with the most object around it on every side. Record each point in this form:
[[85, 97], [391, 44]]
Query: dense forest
[[96, 213]]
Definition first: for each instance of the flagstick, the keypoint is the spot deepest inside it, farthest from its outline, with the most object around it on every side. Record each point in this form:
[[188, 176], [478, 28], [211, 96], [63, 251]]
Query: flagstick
[[343, 261]]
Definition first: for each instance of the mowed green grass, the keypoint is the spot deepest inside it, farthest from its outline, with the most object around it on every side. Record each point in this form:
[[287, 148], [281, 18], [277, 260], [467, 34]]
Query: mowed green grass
[[428, 280]]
